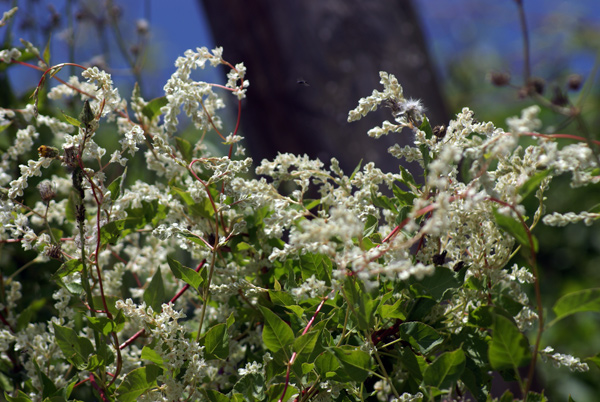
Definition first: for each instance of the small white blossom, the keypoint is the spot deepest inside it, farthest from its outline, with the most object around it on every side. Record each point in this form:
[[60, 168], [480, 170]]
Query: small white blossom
[[559, 359]]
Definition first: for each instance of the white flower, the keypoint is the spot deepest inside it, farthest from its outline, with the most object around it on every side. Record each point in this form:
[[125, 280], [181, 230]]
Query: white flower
[[132, 137], [559, 359], [527, 122]]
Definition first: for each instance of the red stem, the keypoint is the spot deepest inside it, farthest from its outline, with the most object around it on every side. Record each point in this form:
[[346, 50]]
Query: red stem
[[294, 355]]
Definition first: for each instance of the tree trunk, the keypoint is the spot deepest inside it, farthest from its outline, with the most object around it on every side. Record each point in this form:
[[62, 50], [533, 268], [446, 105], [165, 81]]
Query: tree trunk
[[309, 62]]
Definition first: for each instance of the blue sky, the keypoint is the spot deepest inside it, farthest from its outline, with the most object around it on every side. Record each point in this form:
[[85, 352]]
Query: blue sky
[[488, 28]]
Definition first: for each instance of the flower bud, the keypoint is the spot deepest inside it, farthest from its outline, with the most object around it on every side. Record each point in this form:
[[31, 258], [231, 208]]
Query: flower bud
[[537, 85], [559, 98], [47, 190], [574, 82], [54, 252], [86, 116], [499, 79]]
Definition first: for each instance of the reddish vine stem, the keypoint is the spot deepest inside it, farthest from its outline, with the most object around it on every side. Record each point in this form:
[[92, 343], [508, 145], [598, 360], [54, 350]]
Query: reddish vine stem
[[98, 388], [294, 355]]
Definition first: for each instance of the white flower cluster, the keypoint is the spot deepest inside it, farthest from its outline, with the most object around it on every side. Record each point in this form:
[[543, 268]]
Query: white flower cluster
[[182, 357], [8, 15], [559, 359], [407, 397], [312, 287], [8, 55], [556, 219], [196, 98], [105, 92]]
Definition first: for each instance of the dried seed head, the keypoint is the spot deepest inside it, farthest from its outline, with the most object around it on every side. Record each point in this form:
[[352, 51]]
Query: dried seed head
[[537, 85], [47, 190], [559, 98], [70, 157], [574, 82], [54, 252], [499, 79]]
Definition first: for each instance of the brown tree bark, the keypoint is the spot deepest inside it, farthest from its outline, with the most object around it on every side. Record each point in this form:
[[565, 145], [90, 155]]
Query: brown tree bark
[[310, 61]]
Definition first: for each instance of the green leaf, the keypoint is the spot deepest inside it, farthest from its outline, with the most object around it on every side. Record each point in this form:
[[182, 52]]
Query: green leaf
[[70, 209], [356, 169], [68, 268], [111, 302], [216, 342], [318, 265], [404, 197], [26, 315], [21, 397], [94, 362], [420, 307], [112, 231], [445, 370], [137, 382], [154, 295], [327, 365], [71, 120], [280, 298], [151, 355], [509, 348], [115, 186], [76, 349], [185, 147], [384, 202], [407, 177], [576, 302], [152, 108], [46, 54], [425, 127], [420, 335], [305, 345], [533, 183], [535, 397], [514, 228], [252, 387], [214, 396], [363, 305], [395, 310], [277, 335], [105, 325], [438, 283], [48, 387], [230, 320], [477, 380], [203, 208], [355, 362], [371, 225], [186, 274], [594, 359], [410, 364]]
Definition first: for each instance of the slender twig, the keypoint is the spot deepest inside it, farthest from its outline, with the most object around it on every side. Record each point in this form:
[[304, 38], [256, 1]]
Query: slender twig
[[295, 354], [526, 52]]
